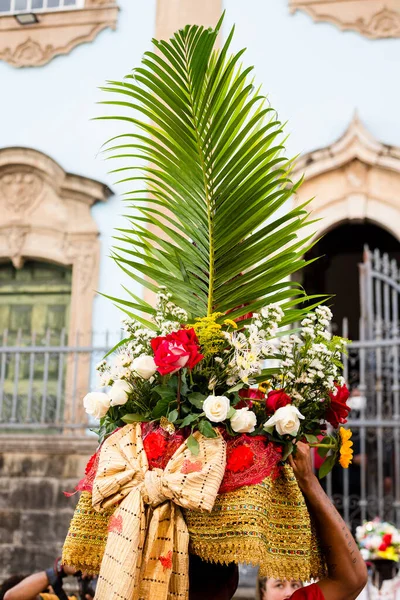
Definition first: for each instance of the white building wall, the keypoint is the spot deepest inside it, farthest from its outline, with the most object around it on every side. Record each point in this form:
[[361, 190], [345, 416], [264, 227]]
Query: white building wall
[[315, 75]]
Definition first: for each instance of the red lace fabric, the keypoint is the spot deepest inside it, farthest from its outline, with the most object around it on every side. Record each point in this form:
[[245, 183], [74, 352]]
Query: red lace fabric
[[265, 462], [172, 443]]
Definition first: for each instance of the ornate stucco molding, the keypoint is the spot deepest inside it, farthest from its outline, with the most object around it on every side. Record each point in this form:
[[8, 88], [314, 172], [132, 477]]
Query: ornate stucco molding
[[372, 18], [57, 32], [46, 216], [357, 178]]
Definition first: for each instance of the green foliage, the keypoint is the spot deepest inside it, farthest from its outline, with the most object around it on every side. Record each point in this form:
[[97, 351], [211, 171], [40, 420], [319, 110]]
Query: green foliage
[[216, 182]]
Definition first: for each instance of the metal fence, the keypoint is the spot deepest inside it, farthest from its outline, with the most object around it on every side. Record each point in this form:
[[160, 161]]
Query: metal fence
[[42, 382], [42, 386]]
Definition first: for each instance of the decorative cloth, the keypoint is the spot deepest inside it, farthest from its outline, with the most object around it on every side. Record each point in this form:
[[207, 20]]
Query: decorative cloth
[[267, 525], [146, 554], [87, 536]]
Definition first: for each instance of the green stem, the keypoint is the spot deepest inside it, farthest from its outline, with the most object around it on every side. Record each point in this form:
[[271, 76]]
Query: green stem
[[178, 393], [208, 199], [322, 445]]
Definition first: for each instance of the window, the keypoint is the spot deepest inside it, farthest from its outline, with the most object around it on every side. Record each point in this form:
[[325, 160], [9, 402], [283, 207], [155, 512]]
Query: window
[[19, 6]]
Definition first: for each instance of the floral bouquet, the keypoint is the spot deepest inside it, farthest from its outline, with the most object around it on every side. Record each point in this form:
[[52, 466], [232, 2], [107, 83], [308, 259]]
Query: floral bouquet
[[212, 387], [180, 376], [378, 539]]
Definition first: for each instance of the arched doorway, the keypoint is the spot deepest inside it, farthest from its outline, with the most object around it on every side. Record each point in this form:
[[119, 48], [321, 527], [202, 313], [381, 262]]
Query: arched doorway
[[336, 271]]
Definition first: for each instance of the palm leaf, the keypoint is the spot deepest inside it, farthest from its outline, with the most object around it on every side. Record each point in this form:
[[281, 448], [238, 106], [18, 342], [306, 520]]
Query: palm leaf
[[217, 183]]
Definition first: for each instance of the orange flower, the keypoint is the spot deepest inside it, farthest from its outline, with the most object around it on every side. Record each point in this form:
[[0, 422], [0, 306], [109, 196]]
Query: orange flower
[[346, 450]]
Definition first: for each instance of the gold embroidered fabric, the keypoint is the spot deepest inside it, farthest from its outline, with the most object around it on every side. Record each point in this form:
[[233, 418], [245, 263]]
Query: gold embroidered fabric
[[267, 525], [87, 536], [146, 555]]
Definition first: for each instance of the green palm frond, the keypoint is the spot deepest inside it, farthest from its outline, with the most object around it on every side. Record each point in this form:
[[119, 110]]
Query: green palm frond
[[216, 182]]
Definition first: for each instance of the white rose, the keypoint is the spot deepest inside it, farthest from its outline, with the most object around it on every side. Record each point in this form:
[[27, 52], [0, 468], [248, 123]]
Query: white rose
[[243, 421], [286, 420], [144, 366], [216, 408], [96, 404], [119, 392]]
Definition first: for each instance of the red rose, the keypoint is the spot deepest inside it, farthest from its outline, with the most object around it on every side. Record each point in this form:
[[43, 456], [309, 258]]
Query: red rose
[[338, 410], [154, 445], [176, 350], [276, 399], [247, 396], [387, 539], [240, 459], [251, 393]]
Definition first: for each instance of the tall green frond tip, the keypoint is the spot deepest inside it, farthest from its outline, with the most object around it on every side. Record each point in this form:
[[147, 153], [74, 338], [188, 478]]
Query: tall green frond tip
[[216, 179]]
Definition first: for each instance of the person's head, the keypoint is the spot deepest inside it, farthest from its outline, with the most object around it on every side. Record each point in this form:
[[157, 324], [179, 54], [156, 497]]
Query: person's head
[[277, 589], [9, 583]]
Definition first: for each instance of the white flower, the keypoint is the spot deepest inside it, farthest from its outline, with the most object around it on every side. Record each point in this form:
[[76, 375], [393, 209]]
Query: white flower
[[144, 366], [243, 421], [364, 553], [216, 408], [119, 393], [96, 404], [286, 420]]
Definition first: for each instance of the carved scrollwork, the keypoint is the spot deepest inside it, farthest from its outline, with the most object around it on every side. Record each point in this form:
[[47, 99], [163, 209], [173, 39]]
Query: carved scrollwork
[[20, 191], [56, 32], [372, 18]]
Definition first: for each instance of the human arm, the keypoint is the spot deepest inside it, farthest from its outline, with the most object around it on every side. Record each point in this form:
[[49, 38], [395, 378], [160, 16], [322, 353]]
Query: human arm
[[30, 587], [347, 573]]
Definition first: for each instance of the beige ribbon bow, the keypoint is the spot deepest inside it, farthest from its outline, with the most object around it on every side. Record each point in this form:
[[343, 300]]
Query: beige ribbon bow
[[146, 556]]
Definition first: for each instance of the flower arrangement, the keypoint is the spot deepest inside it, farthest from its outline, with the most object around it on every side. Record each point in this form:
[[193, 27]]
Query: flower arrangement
[[378, 539], [185, 377]]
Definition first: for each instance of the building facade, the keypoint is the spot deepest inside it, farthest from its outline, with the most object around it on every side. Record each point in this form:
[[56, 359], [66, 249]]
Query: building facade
[[329, 68]]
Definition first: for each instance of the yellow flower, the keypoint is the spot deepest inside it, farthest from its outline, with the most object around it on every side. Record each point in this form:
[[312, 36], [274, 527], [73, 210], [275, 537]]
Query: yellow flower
[[264, 386], [231, 323], [390, 554], [209, 334], [346, 450]]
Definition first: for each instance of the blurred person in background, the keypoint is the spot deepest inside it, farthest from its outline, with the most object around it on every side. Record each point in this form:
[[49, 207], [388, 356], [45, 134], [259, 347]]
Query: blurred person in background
[[45, 585]]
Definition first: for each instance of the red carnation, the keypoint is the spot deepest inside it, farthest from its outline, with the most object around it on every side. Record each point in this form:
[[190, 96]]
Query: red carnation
[[175, 351], [338, 410], [387, 539], [276, 399], [154, 445], [240, 459]]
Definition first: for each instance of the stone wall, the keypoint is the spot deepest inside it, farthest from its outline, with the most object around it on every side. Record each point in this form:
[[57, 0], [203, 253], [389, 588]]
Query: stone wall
[[34, 512]]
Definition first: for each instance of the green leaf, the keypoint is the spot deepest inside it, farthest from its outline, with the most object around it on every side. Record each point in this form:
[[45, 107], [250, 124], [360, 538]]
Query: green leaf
[[231, 412], [207, 430], [173, 415], [161, 408], [196, 399], [134, 418], [311, 439], [287, 450], [211, 162], [190, 419], [327, 466], [193, 445], [165, 391]]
